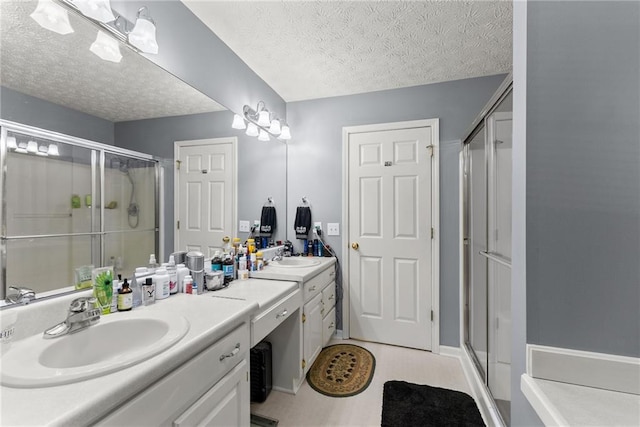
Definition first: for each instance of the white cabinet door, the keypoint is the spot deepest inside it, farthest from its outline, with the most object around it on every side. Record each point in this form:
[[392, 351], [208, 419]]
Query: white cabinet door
[[312, 330], [328, 326], [225, 404]]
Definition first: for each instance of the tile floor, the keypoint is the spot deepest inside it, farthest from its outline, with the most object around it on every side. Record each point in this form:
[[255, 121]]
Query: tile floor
[[310, 408]]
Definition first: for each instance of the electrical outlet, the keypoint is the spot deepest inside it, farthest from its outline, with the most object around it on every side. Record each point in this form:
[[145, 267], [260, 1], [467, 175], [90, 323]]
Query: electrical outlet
[[333, 229], [317, 225], [244, 227]]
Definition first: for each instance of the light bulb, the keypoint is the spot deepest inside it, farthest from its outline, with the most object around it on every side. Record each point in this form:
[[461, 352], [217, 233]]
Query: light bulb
[[286, 133], [32, 147], [106, 48], [143, 35], [238, 122], [275, 127], [263, 118], [264, 136], [100, 10], [52, 16], [11, 143], [252, 129]]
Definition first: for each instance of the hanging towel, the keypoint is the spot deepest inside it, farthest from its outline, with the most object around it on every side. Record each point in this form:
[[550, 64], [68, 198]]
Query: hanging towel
[[268, 221], [302, 224]]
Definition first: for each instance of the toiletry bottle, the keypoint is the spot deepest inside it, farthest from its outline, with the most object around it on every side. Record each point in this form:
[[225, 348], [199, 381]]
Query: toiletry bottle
[[259, 261], [182, 271], [188, 284], [161, 281], [153, 264], [242, 263], [114, 295], [148, 292], [139, 278], [227, 269], [253, 261], [236, 246], [173, 276], [125, 297], [216, 262]]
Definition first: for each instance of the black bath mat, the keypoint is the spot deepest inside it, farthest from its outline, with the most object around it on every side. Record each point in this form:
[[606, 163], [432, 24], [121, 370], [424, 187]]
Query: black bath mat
[[405, 404]]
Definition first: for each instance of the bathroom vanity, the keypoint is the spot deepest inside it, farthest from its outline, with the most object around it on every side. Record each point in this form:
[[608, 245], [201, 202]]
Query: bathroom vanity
[[204, 377]]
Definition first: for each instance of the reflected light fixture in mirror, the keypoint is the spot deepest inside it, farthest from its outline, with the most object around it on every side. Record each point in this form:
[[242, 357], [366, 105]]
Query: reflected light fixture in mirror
[[106, 47], [53, 150], [261, 123], [100, 10], [52, 16], [32, 147], [43, 151], [11, 143], [22, 148], [143, 35]]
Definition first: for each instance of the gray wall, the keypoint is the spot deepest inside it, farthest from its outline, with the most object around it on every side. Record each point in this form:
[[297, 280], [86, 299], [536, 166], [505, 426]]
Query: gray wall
[[315, 161], [21, 108], [261, 165], [583, 176]]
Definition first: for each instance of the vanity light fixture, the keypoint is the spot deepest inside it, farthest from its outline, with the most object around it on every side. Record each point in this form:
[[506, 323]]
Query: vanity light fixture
[[11, 143], [42, 151], [22, 148], [261, 123], [263, 136], [52, 16], [32, 147], [53, 150], [98, 10], [106, 47], [143, 35], [238, 122]]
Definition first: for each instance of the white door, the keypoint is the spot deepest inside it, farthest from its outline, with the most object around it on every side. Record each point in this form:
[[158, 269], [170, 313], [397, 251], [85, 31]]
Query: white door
[[205, 194], [390, 234]]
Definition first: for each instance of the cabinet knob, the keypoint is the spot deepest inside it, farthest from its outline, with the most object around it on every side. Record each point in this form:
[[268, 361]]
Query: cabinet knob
[[284, 313]]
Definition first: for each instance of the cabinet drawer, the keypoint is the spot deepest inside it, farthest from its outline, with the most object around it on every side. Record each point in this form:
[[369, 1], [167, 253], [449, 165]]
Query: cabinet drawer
[[267, 321], [314, 286], [328, 326], [329, 296], [183, 386]]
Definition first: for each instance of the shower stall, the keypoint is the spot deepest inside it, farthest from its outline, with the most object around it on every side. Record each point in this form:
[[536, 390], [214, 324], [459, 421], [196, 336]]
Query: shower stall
[[486, 247], [69, 202]]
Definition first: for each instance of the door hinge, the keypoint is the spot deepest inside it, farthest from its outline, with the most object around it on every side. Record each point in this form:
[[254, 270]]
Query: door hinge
[[178, 164], [430, 148], [432, 315], [304, 317], [304, 363], [178, 224], [432, 232]]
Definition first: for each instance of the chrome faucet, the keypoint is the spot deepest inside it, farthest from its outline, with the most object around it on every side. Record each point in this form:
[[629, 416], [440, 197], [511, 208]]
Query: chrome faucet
[[19, 295], [279, 255], [82, 314]]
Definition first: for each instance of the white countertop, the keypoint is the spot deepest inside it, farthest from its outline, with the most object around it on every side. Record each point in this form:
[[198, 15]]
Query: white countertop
[[87, 401], [262, 292], [298, 274], [565, 404]]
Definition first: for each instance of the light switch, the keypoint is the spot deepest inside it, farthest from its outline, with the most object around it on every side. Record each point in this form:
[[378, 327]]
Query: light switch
[[333, 229], [244, 227]]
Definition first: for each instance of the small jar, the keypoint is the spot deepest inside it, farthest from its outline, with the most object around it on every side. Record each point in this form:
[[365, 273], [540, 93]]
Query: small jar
[[188, 284], [125, 297]]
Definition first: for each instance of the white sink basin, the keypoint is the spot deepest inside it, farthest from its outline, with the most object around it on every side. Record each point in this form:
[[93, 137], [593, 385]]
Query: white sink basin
[[118, 341], [295, 262]]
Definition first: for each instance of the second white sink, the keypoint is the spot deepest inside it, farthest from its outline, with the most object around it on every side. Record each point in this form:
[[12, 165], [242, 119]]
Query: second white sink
[[295, 262], [116, 342]]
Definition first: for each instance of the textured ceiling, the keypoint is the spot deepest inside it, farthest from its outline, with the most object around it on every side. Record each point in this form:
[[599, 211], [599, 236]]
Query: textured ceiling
[[316, 49], [61, 69]]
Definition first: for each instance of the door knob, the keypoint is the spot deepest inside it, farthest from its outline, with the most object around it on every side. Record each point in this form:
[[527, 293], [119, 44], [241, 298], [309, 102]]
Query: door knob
[[355, 245]]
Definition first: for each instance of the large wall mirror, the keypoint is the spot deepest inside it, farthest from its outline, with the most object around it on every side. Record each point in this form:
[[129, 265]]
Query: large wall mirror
[[54, 82]]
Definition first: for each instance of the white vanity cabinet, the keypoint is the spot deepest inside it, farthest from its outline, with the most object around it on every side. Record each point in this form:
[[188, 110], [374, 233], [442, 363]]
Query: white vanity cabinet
[[210, 389], [318, 314]]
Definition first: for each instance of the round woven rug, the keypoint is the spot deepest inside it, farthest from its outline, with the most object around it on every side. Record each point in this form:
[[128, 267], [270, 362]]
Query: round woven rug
[[342, 370]]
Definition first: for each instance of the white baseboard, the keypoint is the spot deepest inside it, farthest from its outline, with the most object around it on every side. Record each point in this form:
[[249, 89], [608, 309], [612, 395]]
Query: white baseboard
[[445, 350], [598, 370]]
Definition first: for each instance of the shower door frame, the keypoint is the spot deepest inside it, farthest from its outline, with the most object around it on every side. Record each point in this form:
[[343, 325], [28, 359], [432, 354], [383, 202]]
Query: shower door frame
[[99, 151], [478, 125]]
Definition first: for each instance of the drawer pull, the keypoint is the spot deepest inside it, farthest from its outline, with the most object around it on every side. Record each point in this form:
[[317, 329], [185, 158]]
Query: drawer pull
[[331, 297], [233, 353], [313, 288], [333, 273], [284, 313], [330, 326]]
